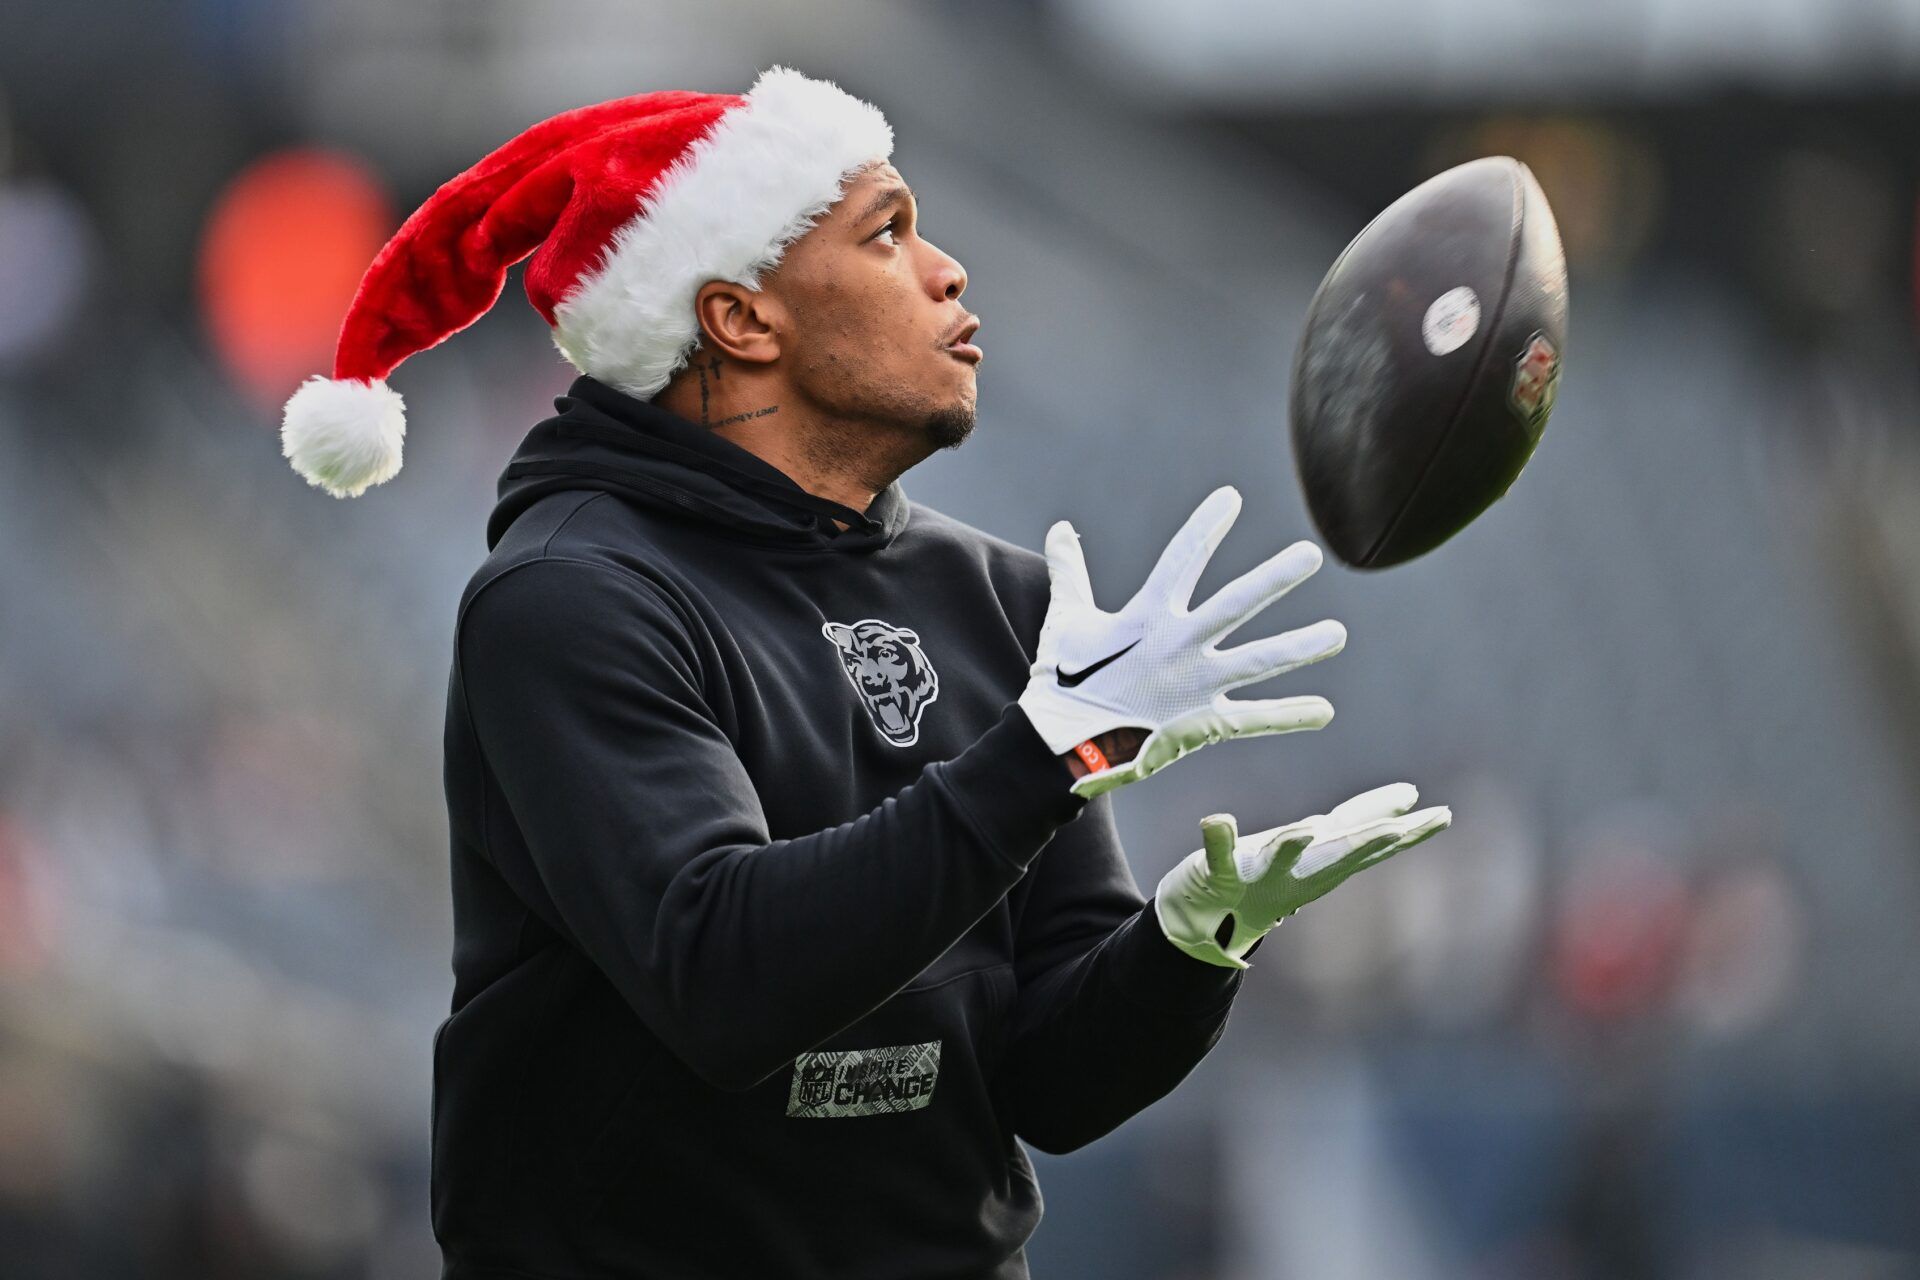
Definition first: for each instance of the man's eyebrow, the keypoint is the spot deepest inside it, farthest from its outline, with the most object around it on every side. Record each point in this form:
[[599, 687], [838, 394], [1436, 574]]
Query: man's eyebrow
[[881, 199]]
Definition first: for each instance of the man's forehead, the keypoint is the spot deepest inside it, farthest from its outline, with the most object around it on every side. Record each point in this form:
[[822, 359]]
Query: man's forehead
[[868, 190]]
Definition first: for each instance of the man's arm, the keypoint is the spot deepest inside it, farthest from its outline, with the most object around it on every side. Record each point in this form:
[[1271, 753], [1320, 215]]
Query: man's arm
[[1118, 1002], [1110, 1016], [650, 851]]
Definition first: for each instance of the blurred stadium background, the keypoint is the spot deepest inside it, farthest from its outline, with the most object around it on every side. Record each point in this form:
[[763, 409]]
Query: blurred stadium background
[[1651, 1010]]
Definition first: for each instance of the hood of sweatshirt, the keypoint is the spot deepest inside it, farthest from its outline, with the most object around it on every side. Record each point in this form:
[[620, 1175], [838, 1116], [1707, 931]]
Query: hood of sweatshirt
[[603, 439]]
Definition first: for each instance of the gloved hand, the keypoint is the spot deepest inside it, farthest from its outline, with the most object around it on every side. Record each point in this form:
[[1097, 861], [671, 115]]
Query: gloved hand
[[1154, 665], [1259, 880]]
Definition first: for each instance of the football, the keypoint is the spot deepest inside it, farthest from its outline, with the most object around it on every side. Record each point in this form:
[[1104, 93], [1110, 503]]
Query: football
[[1429, 362]]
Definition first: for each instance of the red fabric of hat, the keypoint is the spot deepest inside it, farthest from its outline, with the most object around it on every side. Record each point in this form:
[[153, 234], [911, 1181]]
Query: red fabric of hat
[[625, 209]]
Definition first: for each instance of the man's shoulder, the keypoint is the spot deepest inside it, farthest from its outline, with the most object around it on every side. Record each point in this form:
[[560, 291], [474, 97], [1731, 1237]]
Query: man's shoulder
[[1016, 576], [569, 548], [938, 526]]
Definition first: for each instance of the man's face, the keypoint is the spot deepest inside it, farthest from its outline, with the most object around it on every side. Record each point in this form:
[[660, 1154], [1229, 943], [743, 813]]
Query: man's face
[[879, 333]]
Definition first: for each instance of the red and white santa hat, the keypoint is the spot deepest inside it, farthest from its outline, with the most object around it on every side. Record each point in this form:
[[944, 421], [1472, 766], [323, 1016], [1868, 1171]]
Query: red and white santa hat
[[626, 209]]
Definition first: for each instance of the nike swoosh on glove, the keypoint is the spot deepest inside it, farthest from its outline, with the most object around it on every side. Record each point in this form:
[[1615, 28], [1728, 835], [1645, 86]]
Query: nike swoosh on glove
[[1156, 665]]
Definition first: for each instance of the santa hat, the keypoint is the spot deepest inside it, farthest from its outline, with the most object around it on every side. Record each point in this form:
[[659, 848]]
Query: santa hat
[[626, 209]]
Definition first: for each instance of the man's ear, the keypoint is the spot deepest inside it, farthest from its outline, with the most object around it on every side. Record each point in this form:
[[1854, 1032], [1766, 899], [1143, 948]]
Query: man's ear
[[737, 322]]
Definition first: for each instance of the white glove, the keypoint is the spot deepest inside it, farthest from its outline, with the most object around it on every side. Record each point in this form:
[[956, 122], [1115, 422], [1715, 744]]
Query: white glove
[[1154, 665], [1259, 880]]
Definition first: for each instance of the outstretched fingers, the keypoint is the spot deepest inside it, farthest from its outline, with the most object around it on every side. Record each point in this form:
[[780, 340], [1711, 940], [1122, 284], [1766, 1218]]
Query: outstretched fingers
[[1067, 564], [1351, 845], [1253, 718], [1279, 852], [1261, 659], [1251, 592], [1416, 827], [1186, 557], [1390, 801], [1354, 848], [1220, 832]]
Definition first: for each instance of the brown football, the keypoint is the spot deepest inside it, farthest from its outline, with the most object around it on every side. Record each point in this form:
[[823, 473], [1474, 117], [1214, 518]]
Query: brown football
[[1429, 363]]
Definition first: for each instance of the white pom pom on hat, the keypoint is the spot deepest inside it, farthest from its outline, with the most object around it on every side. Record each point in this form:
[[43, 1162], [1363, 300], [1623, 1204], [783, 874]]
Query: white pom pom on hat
[[344, 435], [623, 210]]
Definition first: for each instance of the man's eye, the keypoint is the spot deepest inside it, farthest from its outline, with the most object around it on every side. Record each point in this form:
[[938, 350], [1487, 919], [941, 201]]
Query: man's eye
[[890, 231]]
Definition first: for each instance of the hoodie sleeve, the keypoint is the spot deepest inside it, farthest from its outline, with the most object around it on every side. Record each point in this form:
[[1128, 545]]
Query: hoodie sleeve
[[650, 851], [1110, 1015]]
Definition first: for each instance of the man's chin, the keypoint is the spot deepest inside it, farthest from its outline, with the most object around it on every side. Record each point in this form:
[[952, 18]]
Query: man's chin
[[947, 428]]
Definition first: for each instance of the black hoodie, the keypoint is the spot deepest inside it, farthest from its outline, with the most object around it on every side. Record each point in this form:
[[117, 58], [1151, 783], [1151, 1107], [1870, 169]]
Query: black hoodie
[[775, 922]]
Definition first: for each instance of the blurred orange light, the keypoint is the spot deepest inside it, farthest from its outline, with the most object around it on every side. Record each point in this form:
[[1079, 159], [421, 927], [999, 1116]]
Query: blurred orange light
[[283, 250]]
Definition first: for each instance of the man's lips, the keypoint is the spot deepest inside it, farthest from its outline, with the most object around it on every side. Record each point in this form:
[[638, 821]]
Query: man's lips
[[957, 344]]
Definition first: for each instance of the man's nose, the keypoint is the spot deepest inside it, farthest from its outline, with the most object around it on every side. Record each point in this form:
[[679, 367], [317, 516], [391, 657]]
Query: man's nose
[[949, 278]]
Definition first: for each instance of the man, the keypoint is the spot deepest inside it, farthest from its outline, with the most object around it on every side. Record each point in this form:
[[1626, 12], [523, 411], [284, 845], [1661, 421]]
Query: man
[[785, 894]]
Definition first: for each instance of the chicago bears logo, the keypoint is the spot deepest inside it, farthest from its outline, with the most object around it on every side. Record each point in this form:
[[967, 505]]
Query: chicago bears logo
[[891, 673]]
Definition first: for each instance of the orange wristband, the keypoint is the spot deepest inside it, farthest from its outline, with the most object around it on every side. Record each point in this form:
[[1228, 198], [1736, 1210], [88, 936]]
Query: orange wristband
[[1092, 756]]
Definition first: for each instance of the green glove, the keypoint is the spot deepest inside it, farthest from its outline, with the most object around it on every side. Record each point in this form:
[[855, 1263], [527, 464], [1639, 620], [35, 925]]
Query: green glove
[[1223, 898]]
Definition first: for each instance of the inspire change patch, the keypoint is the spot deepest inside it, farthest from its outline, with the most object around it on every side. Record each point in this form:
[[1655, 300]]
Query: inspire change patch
[[864, 1082]]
